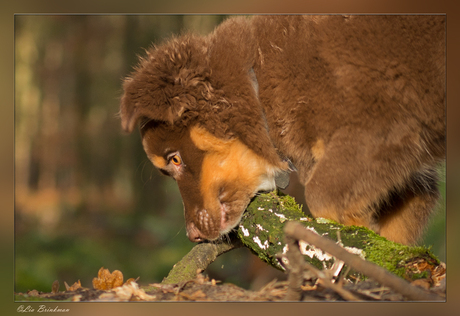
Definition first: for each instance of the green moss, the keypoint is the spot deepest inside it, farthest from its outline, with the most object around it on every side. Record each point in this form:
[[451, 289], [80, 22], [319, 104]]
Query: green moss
[[262, 225], [261, 230], [395, 257]]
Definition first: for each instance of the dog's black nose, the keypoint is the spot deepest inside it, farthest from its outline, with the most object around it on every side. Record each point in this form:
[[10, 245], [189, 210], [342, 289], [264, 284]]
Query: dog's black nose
[[195, 238]]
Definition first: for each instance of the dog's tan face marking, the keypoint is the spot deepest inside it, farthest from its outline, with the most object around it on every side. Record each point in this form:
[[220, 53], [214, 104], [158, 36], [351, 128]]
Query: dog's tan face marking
[[216, 177], [231, 174], [158, 161]]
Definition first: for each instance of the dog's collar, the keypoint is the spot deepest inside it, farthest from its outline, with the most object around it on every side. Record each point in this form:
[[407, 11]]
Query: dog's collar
[[254, 82], [281, 178]]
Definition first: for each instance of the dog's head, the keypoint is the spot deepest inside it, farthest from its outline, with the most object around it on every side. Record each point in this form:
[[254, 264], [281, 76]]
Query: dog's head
[[196, 102]]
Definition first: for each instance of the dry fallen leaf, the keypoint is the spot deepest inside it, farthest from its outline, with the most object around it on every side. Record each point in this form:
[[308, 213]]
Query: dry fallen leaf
[[423, 283], [439, 274], [76, 298], [130, 280], [74, 286], [196, 296], [55, 287], [128, 292], [33, 293], [106, 280]]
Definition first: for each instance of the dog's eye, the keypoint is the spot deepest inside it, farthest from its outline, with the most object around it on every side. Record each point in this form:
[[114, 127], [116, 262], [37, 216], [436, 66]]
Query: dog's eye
[[176, 160]]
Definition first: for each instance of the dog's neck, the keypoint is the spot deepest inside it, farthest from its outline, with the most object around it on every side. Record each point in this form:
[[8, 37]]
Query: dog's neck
[[281, 178]]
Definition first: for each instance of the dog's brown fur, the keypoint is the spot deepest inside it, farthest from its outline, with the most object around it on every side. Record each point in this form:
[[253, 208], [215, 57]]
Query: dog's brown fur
[[355, 102]]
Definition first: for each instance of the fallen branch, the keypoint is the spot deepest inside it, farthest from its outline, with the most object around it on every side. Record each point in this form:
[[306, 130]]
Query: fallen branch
[[296, 232], [262, 230], [198, 259]]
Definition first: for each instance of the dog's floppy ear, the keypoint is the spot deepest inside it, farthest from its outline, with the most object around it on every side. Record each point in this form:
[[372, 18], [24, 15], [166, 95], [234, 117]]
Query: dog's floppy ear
[[134, 107], [138, 107], [168, 82], [233, 51]]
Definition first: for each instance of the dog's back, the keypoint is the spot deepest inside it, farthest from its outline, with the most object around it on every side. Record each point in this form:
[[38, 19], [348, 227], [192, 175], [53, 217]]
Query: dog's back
[[357, 103]]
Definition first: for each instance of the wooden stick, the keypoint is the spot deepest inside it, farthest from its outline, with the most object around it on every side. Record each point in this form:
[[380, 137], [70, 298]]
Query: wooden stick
[[297, 268], [199, 258], [299, 232]]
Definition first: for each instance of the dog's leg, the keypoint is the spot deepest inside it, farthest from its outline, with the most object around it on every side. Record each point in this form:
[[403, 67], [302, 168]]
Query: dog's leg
[[347, 186], [404, 216], [339, 189]]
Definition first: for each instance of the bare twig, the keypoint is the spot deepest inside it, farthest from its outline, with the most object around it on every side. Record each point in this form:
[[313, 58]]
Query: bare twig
[[346, 295], [297, 268], [296, 264], [296, 231]]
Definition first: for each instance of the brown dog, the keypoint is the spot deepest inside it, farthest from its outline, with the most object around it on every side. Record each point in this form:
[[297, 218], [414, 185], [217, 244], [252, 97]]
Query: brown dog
[[356, 103]]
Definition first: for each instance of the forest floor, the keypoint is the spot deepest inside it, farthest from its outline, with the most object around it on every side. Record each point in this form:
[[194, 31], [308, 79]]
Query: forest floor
[[204, 289]]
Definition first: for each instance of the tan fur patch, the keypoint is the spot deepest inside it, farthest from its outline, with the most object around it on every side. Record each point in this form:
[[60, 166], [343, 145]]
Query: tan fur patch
[[352, 215], [396, 229], [158, 161], [206, 141], [400, 226], [318, 149], [230, 166]]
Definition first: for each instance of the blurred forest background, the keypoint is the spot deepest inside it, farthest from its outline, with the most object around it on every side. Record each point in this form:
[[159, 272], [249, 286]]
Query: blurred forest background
[[86, 195]]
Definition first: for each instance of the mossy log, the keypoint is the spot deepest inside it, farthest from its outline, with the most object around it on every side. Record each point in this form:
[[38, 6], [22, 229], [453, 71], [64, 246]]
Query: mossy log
[[197, 260], [261, 230]]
